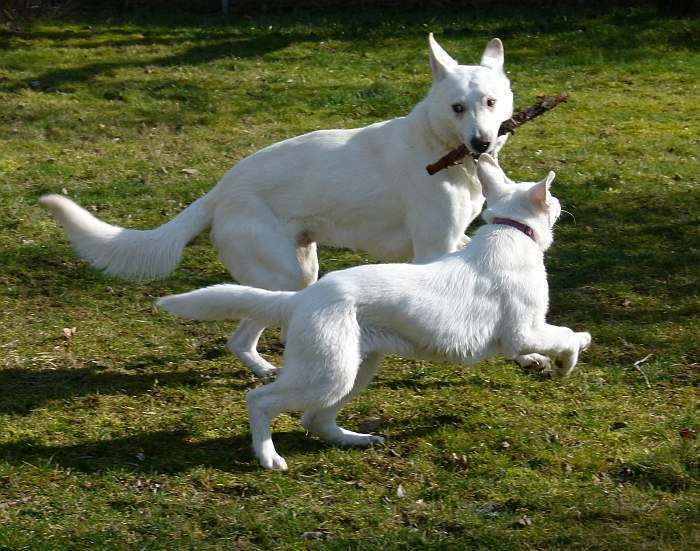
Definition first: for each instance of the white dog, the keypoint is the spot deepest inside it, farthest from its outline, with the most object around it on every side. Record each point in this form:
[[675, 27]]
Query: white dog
[[361, 189], [466, 306]]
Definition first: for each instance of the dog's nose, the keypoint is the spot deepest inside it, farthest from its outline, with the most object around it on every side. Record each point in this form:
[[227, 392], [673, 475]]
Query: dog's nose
[[480, 146]]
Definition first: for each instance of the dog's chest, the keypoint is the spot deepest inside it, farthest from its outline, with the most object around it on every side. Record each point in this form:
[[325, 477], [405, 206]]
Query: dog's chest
[[465, 195]]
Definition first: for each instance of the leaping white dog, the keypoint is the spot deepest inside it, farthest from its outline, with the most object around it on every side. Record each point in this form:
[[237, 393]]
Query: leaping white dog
[[361, 189], [492, 297]]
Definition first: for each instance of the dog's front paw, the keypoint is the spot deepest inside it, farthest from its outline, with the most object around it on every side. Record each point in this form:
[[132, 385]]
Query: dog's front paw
[[535, 362]]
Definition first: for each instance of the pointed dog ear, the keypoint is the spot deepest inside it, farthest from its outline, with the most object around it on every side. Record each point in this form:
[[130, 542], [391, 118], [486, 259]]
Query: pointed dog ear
[[440, 60], [539, 193], [493, 55], [493, 180]]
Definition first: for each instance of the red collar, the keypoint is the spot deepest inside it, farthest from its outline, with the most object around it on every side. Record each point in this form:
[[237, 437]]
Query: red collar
[[527, 230]]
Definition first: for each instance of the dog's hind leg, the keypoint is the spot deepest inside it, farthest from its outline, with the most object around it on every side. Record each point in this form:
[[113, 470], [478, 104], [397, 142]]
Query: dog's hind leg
[[264, 404], [243, 342], [261, 251], [301, 386], [308, 262], [322, 421]]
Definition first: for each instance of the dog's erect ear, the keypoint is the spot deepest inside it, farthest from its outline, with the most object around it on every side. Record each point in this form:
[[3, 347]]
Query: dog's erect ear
[[539, 193], [493, 180], [493, 55], [440, 60]]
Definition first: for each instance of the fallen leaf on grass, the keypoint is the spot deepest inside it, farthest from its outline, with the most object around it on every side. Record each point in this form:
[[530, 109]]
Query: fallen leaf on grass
[[68, 332], [618, 425], [688, 433], [400, 491], [316, 535], [190, 171]]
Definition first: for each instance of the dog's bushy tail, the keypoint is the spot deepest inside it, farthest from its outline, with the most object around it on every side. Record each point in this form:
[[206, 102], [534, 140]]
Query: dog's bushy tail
[[130, 254], [231, 302]]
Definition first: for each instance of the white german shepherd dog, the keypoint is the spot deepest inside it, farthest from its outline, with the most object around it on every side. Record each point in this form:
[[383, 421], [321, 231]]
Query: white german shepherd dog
[[361, 189], [491, 297]]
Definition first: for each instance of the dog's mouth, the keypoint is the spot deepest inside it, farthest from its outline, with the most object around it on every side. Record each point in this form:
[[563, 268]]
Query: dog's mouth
[[475, 154]]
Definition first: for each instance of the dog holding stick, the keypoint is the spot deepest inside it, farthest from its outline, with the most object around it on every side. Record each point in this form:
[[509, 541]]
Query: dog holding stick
[[363, 189]]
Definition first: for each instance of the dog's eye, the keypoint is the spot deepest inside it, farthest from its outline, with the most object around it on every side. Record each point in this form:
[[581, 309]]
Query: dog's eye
[[458, 108], [490, 102]]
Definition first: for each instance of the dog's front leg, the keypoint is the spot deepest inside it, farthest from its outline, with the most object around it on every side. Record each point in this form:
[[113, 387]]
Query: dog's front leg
[[433, 239]]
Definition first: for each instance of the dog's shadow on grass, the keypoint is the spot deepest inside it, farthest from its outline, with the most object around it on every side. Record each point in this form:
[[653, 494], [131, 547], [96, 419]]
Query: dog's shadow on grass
[[159, 452], [25, 390]]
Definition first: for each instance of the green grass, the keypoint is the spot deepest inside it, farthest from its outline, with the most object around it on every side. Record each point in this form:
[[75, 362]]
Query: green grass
[[132, 434]]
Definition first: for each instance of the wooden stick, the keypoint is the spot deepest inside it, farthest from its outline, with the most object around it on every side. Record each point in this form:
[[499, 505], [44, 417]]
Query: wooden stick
[[544, 104]]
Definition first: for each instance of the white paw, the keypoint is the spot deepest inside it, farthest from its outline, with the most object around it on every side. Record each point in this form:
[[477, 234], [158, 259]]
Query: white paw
[[265, 371], [584, 340], [273, 461], [537, 362]]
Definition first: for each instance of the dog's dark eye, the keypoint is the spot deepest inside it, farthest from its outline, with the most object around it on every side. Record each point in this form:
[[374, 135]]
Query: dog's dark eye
[[458, 107], [490, 102]]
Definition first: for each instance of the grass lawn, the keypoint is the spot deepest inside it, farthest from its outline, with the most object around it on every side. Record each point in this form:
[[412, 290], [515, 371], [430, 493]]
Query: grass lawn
[[132, 433]]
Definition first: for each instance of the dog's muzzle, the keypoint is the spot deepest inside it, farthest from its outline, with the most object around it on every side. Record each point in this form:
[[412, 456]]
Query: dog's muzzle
[[478, 147]]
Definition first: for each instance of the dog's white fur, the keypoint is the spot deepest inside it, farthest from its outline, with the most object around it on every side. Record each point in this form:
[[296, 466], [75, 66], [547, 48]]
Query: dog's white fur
[[490, 297], [361, 189]]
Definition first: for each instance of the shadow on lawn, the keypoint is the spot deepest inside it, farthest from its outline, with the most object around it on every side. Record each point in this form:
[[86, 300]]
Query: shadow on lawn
[[163, 452], [616, 33], [25, 390], [38, 271], [192, 56]]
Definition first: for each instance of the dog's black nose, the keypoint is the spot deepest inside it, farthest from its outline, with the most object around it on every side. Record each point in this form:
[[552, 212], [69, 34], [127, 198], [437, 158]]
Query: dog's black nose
[[480, 146]]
